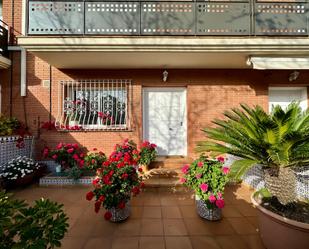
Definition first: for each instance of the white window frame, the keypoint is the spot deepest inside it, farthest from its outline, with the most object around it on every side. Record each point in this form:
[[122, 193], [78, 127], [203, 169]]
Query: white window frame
[[304, 93]]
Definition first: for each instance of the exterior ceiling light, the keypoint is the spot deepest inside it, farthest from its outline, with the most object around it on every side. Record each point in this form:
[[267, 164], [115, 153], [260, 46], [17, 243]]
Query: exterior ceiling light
[[165, 75]]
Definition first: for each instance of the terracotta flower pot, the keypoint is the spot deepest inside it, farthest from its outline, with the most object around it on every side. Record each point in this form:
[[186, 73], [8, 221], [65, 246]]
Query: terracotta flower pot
[[278, 232]]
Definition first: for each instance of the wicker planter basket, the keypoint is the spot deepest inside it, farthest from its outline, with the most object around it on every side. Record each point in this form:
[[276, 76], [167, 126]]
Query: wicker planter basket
[[203, 211], [118, 214]]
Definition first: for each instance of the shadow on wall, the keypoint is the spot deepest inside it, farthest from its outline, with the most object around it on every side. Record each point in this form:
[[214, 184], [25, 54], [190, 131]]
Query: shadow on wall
[[210, 92]]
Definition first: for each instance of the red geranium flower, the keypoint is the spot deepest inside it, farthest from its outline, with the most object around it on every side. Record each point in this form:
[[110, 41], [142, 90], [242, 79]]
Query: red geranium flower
[[135, 190], [89, 196], [121, 205], [124, 176], [108, 215], [97, 206], [102, 198]]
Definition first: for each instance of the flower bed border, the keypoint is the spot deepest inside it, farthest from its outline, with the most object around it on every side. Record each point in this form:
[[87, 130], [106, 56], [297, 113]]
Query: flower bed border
[[51, 179]]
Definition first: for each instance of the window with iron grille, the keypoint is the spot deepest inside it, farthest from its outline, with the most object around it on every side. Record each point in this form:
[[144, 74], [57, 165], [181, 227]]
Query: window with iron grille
[[94, 105]]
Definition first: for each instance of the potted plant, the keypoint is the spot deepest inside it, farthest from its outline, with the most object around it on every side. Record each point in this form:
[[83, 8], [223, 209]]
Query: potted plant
[[94, 160], [42, 225], [70, 158], [207, 177], [19, 171], [279, 142], [115, 183], [148, 154], [8, 125], [12, 127]]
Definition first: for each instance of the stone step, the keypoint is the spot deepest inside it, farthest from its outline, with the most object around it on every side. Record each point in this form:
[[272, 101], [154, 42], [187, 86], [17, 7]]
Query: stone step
[[164, 183], [163, 173], [170, 162]]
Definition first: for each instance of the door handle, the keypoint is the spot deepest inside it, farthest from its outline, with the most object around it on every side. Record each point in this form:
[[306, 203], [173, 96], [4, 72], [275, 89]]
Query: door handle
[[170, 129], [181, 123]]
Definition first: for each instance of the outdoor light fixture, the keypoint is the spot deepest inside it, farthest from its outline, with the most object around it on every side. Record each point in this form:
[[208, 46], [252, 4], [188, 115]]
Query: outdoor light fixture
[[293, 76], [165, 75]]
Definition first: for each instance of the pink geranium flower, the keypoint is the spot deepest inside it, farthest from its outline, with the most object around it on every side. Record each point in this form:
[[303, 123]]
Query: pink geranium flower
[[71, 150], [198, 176], [219, 195], [221, 159], [220, 203], [204, 187], [200, 164], [226, 170], [183, 180], [59, 146], [212, 198], [54, 157], [185, 169]]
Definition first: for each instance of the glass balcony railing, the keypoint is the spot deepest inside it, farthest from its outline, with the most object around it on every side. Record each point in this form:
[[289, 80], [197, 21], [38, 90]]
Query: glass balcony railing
[[3, 40], [192, 18]]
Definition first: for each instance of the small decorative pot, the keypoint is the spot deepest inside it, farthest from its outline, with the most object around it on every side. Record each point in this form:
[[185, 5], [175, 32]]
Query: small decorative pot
[[58, 169], [120, 214], [212, 214]]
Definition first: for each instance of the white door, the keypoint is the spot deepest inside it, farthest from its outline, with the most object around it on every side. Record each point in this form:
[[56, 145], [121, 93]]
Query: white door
[[165, 119]]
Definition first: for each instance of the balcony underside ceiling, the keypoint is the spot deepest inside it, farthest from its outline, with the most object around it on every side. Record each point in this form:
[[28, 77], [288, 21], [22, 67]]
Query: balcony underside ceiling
[[160, 52], [4, 62]]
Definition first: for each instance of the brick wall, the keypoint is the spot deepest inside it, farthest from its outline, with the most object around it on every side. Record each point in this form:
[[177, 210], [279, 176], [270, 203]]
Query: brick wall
[[209, 93]]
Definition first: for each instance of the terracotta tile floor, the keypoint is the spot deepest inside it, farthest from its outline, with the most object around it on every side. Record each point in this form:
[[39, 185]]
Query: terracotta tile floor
[[160, 219]]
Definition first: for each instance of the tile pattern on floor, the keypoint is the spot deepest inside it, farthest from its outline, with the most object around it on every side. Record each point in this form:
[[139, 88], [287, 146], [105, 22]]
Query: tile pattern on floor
[[160, 219]]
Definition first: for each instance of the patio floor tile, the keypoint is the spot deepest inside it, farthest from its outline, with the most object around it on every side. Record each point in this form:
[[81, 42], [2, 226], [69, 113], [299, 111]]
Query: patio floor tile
[[151, 243], [152, 212], [254, 242], [152, 227], [152, 201], [171, 212], [246, 209], [168, 200], [125, 243], [197, 226], [76, 243], [221, 227], [98, 243], [174, 227], [242, 226], [103, 228], [204, 242], [131, 227], [178, 243], [188, 212], [231, 211], [231, 242]]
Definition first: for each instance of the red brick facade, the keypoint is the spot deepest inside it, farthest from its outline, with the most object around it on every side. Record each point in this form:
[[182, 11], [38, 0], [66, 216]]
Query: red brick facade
[[209, 93]]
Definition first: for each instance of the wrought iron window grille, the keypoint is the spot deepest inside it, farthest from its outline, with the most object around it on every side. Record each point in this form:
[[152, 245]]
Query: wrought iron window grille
[[94, 105]]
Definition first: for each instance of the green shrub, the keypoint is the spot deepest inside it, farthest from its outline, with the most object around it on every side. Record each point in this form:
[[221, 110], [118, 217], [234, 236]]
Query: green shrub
[[38, 227]]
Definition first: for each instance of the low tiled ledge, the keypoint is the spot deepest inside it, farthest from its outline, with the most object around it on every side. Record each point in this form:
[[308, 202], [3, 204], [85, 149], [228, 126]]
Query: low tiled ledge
[[53, 180]]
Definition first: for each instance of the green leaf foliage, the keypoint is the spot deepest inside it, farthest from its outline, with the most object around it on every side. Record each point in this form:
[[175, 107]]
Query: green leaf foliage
[[42, 225], [278, 139]]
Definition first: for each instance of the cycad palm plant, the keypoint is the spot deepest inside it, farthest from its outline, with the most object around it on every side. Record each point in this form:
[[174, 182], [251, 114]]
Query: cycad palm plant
[[278, 141]]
